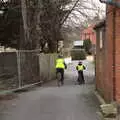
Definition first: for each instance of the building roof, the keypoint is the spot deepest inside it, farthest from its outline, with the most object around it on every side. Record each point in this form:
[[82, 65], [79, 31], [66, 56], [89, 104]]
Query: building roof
[[100, 24]]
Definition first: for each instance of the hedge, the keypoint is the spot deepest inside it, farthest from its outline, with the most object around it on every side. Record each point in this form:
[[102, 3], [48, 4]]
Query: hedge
[[78, 54]]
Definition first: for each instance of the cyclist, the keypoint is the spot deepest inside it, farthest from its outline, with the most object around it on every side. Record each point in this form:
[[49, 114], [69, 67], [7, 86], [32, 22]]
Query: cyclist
[[80, 67], [60, 66]]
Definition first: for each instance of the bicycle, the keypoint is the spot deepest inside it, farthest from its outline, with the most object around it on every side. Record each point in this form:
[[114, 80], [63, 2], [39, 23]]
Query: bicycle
[[59, 81], [80, 79]]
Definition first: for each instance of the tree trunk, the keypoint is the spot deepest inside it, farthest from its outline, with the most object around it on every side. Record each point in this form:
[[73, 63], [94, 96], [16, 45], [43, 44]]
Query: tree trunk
[[25, 25]]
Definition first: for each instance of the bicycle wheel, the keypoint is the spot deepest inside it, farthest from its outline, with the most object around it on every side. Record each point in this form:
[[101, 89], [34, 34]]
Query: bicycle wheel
[[59, 78], [79, 79]]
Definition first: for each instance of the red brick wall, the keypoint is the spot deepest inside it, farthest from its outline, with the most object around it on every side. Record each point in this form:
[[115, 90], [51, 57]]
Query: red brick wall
[[112, 54], [117, 42], [104, 63], [104, 68], [108, 78], [108, 59], [99, 67]]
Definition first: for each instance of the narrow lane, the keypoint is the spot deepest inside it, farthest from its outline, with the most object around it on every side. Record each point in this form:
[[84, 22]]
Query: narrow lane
[[69, 102]]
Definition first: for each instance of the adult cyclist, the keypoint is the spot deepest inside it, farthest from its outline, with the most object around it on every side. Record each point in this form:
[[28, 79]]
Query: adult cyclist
[[60, 66]]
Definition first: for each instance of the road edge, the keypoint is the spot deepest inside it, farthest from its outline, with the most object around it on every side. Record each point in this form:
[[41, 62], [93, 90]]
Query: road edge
[[99, 97]]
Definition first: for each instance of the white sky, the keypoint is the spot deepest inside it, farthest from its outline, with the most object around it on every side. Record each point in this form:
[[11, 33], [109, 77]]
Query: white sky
[[94, 6]]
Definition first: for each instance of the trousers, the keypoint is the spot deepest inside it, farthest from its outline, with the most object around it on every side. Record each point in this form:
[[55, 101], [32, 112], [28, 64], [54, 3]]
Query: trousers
[[81, 77], [61, 70]]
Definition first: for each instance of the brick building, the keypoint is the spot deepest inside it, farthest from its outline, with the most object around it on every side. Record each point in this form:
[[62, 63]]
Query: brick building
[[108, 55], [89, 33]]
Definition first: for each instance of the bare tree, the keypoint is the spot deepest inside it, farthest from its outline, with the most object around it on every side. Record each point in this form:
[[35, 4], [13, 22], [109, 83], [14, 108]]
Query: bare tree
[[31, 11], [84, 10], [43, 20]]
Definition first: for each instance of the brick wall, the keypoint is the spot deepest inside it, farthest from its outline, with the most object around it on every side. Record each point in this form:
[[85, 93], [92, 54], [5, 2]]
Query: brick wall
[[108, 80], [99, 67], [103, 66], [113, 51], [108, 58], [104, 59], [112, 55], [117, 53]]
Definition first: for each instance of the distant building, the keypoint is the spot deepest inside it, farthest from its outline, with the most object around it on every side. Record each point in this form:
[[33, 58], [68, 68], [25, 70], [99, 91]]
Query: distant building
[[89, 33], [78, 43]]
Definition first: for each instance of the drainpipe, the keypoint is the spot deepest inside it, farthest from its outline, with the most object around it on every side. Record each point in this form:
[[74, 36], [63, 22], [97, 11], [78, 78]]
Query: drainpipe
[[114, 54]]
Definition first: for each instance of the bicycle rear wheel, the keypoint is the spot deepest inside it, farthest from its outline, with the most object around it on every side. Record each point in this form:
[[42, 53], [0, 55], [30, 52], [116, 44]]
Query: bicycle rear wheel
[[79, 79], [59, 78]]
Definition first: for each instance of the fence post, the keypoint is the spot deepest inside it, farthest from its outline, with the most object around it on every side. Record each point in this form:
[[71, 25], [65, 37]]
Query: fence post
[[19, 69]]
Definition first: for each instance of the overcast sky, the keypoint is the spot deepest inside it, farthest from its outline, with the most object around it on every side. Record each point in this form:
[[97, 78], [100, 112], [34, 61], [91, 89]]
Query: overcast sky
[[89, 8], [96, 4]]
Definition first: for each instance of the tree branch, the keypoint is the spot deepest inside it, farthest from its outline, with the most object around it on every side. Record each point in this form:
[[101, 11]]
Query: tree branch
[[70, 12]]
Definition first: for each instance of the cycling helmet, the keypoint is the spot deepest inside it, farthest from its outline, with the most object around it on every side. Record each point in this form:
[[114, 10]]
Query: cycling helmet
[[80, 62], [60, 56]]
